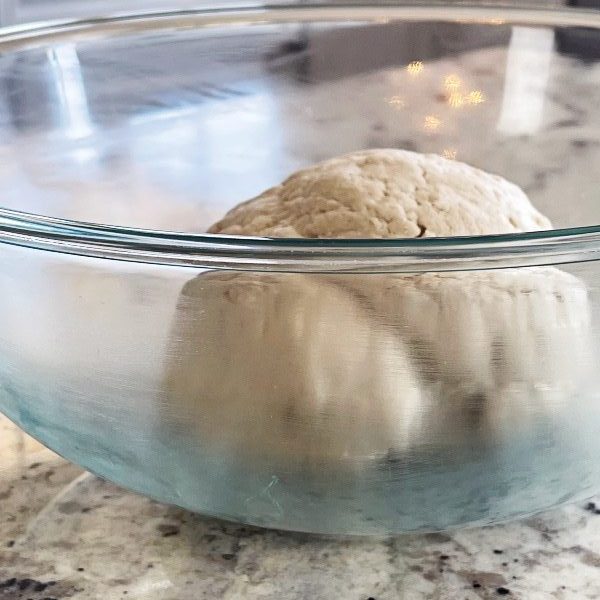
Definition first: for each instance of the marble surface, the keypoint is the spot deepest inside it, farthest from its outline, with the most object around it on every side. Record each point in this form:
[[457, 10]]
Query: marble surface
[[534, 122], [67, 534]]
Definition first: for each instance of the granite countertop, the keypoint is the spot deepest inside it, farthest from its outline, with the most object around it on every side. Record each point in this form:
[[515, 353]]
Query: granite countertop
[[67, 534]]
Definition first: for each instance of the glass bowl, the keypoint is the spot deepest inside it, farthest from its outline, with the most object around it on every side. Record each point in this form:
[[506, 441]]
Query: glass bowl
[[332, 386]]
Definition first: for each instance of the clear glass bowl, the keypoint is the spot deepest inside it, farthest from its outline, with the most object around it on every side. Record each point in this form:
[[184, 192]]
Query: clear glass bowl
[[335, 386]]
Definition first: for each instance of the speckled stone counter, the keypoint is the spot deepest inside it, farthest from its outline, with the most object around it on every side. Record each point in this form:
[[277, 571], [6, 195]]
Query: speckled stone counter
[[67, 534]]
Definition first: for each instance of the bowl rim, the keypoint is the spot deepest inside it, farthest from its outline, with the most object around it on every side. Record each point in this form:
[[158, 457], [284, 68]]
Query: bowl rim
[[408, 255], [558, 246]]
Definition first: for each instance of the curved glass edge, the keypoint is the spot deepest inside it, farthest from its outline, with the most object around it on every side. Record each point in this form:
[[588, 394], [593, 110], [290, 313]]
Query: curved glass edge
[[299, 254], [274, 12]]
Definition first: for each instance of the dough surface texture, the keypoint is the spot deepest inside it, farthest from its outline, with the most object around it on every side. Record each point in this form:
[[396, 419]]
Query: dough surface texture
[[314, 368], [386, 194]]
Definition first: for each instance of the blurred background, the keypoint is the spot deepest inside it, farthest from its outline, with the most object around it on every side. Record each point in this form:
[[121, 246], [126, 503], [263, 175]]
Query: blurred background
[[127, 123], [23, 11]]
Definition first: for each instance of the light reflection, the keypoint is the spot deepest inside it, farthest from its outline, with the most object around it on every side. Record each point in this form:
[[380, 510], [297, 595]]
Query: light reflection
[[70, 89], [456, 99], [450, 153], [454, 95], [415, 67], [452, 82], [397, 102], [475, 97], [84, 155], [432, 123], [238, 141], [528, 67]]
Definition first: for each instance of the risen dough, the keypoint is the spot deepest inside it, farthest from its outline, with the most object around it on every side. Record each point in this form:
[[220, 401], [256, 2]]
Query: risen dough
[[494, 350], [320, 367], [288, 367], [386, 194]]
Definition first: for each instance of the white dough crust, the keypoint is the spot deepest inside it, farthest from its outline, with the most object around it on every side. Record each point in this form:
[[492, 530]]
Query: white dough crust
[[288, 367], [386, 194]]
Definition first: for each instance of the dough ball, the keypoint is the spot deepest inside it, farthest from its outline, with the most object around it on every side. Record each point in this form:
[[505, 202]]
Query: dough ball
[[386, 194], [493, 350], [289, 368], [395, 361]]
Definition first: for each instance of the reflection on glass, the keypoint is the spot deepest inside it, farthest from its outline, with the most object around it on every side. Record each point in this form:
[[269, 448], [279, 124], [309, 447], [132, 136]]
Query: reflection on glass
[[452, 82], [72, 104], [214, 146], [397, 102], [415, 67], [475, 97], [527, 74], [456, 99], [432, 123]]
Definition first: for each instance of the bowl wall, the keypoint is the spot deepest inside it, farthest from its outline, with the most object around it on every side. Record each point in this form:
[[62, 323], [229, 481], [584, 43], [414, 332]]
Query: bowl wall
[[305, 401], [333, 403]]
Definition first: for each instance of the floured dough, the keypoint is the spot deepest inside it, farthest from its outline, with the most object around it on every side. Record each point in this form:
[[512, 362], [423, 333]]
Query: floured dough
[[309, 367], [386, 194], [290, 368], [493, 350]]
